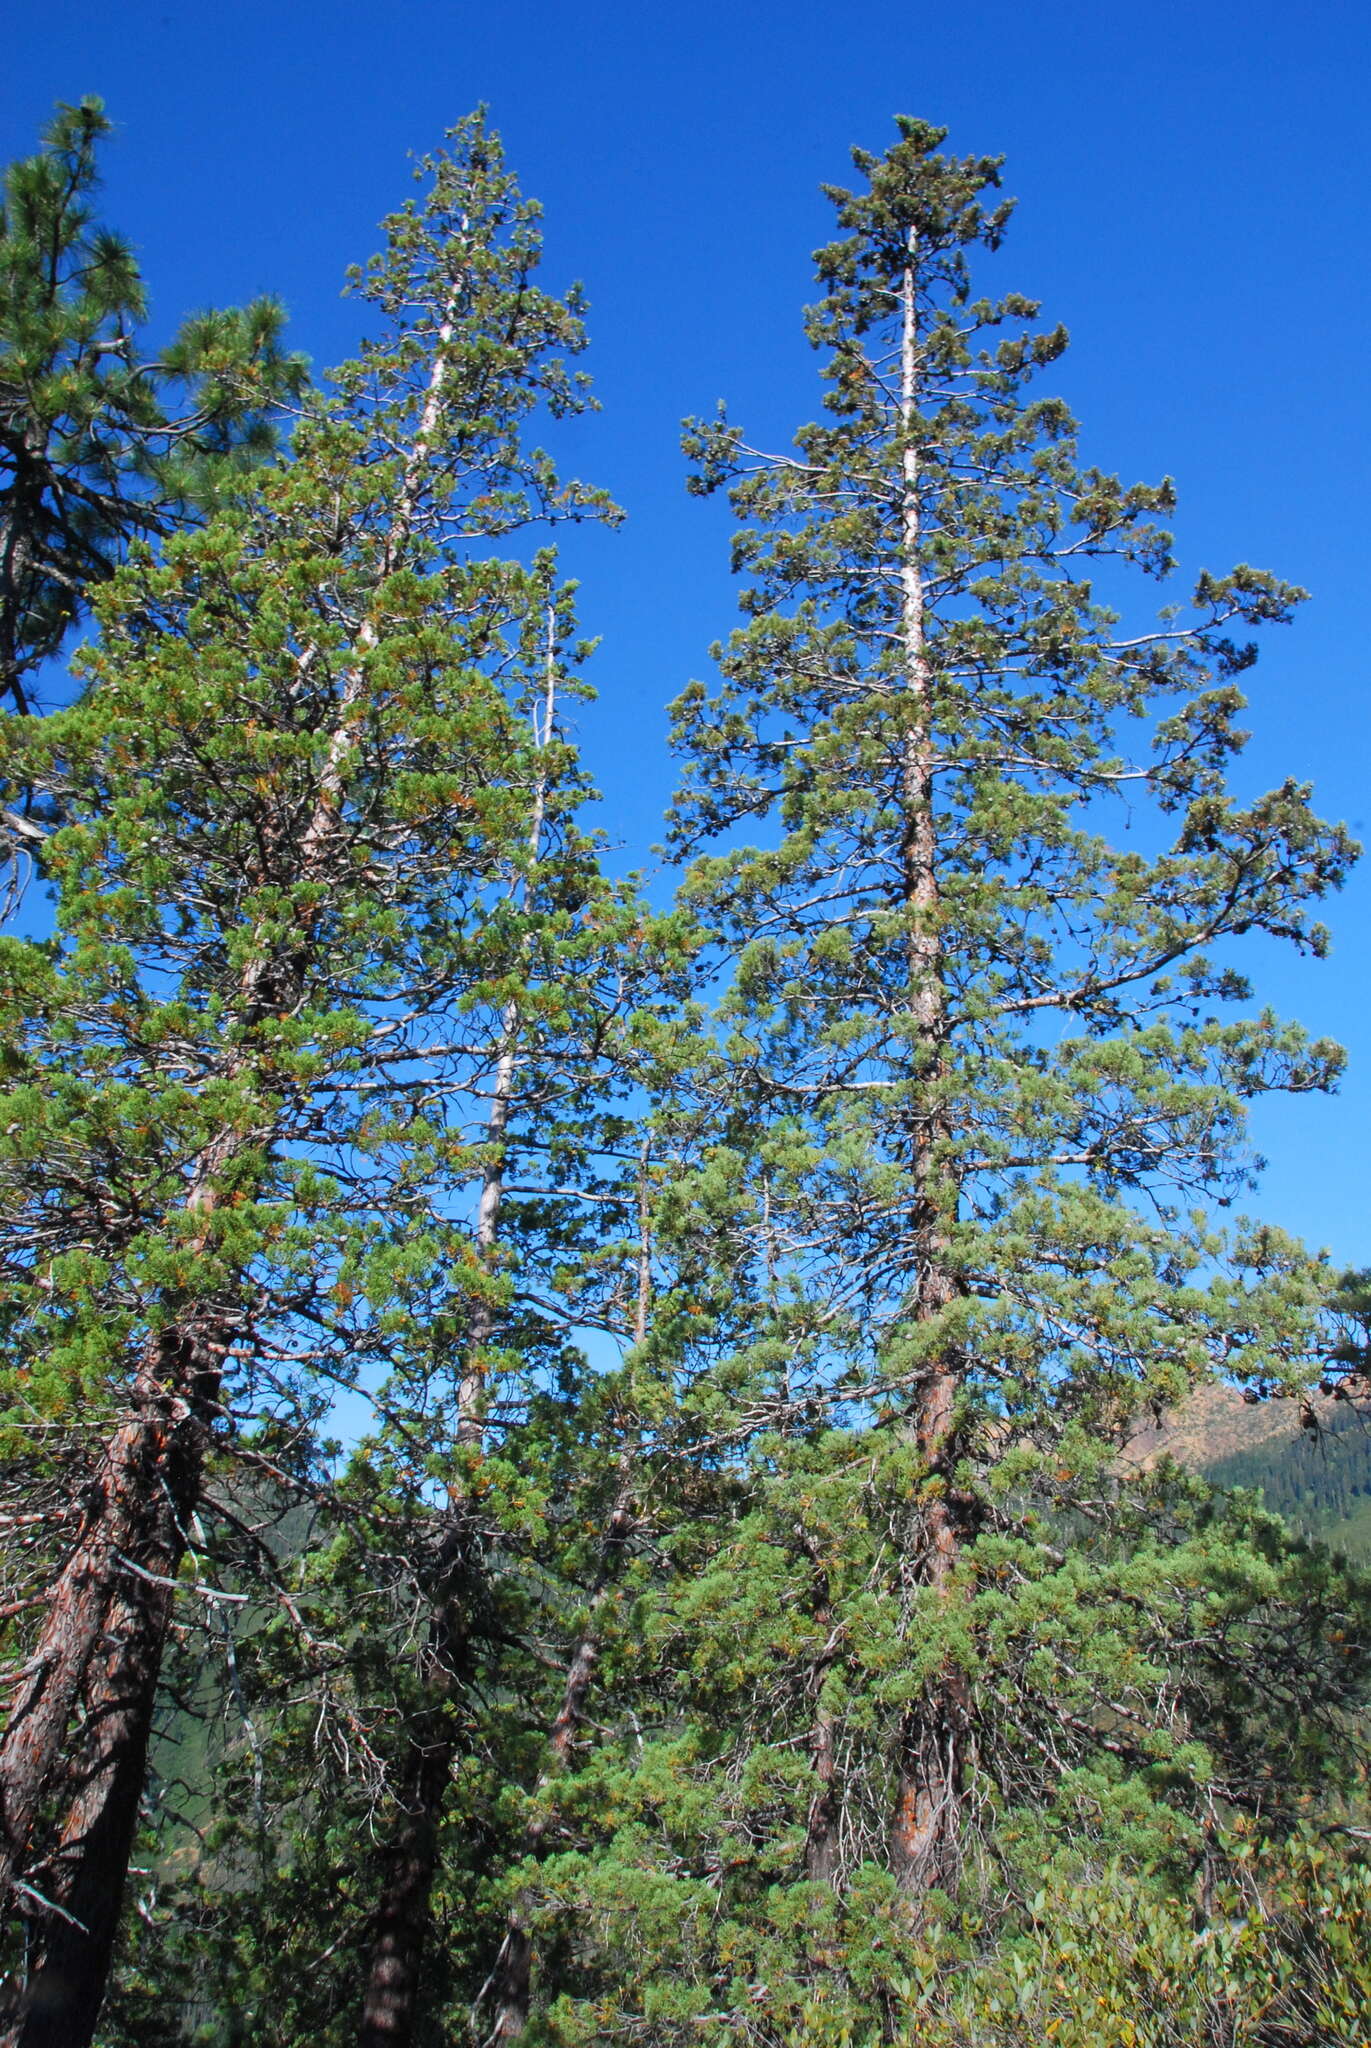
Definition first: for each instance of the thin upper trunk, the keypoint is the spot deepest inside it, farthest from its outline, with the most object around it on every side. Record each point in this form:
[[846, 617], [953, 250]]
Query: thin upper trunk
[[510, 1984], [924, 1828], [482, 1324], [398, 533], [22, 518], [390, 2001], [824, 1819]]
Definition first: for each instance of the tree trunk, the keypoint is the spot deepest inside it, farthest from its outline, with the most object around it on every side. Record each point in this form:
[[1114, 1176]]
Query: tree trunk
[[925, 1823], [23, 518], [390, 2003], [825, 1808], [821, 1824], [510, 1984], [390, 2006], [409, 1862], [98, 1657], [100, 1651]]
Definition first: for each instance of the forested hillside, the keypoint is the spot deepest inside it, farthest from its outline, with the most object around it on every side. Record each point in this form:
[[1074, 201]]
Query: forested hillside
[[1309, 1456], [575, 1459], [1320, 1486], [1318, 1479]]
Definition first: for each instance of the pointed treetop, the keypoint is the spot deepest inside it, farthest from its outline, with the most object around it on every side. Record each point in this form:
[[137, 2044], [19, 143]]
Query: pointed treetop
[[915, 197]]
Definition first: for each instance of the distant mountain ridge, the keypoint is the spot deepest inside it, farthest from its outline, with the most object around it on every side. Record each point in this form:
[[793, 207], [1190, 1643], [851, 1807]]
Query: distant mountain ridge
[[1311, 1457]]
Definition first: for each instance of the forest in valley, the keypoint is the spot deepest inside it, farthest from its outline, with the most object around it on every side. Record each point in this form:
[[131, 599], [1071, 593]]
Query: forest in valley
[[563, 1462]]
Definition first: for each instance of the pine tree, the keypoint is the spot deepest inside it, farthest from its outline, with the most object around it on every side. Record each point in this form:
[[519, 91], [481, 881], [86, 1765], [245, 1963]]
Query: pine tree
[[980, 1082], [100, 444], [291, 795], [518, 1428]]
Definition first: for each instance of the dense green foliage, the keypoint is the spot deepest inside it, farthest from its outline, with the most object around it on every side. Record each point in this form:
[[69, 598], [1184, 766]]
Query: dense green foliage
[[573, 1456], [976, 1068], [100, 444], [319, 882]]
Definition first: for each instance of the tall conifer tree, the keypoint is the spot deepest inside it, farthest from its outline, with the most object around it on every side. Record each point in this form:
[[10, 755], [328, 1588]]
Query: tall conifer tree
[[291, 799], [981, 1067], [516, 1428]]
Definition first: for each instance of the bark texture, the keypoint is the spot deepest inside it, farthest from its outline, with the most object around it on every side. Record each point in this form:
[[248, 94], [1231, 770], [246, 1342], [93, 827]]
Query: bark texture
[[930, 1769], [400, 1926], [823, 1821], [74, 1751]]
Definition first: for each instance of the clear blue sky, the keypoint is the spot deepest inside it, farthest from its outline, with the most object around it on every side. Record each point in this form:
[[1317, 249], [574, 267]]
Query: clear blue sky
[[1194, 199]]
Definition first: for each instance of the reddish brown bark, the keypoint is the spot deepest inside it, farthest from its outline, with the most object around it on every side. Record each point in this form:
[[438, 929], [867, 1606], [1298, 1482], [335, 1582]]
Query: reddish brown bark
[[99, 1655], [925, 1824], [925, 1827], [74, 1748], [95, 1670]]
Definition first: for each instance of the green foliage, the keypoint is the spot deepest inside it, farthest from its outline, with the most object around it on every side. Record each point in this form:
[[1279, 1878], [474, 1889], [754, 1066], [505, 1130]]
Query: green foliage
[[1278, 1955], [796, 1662], [320, 890], [946, 1215], [1319, 1481], [1274, 1958], [99, 443]]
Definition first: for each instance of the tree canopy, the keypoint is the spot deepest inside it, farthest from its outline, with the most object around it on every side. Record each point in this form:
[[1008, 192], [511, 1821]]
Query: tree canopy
[[596, 1431]]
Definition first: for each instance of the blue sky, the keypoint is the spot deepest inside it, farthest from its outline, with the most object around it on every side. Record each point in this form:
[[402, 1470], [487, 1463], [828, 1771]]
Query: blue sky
[[1194, 193]]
